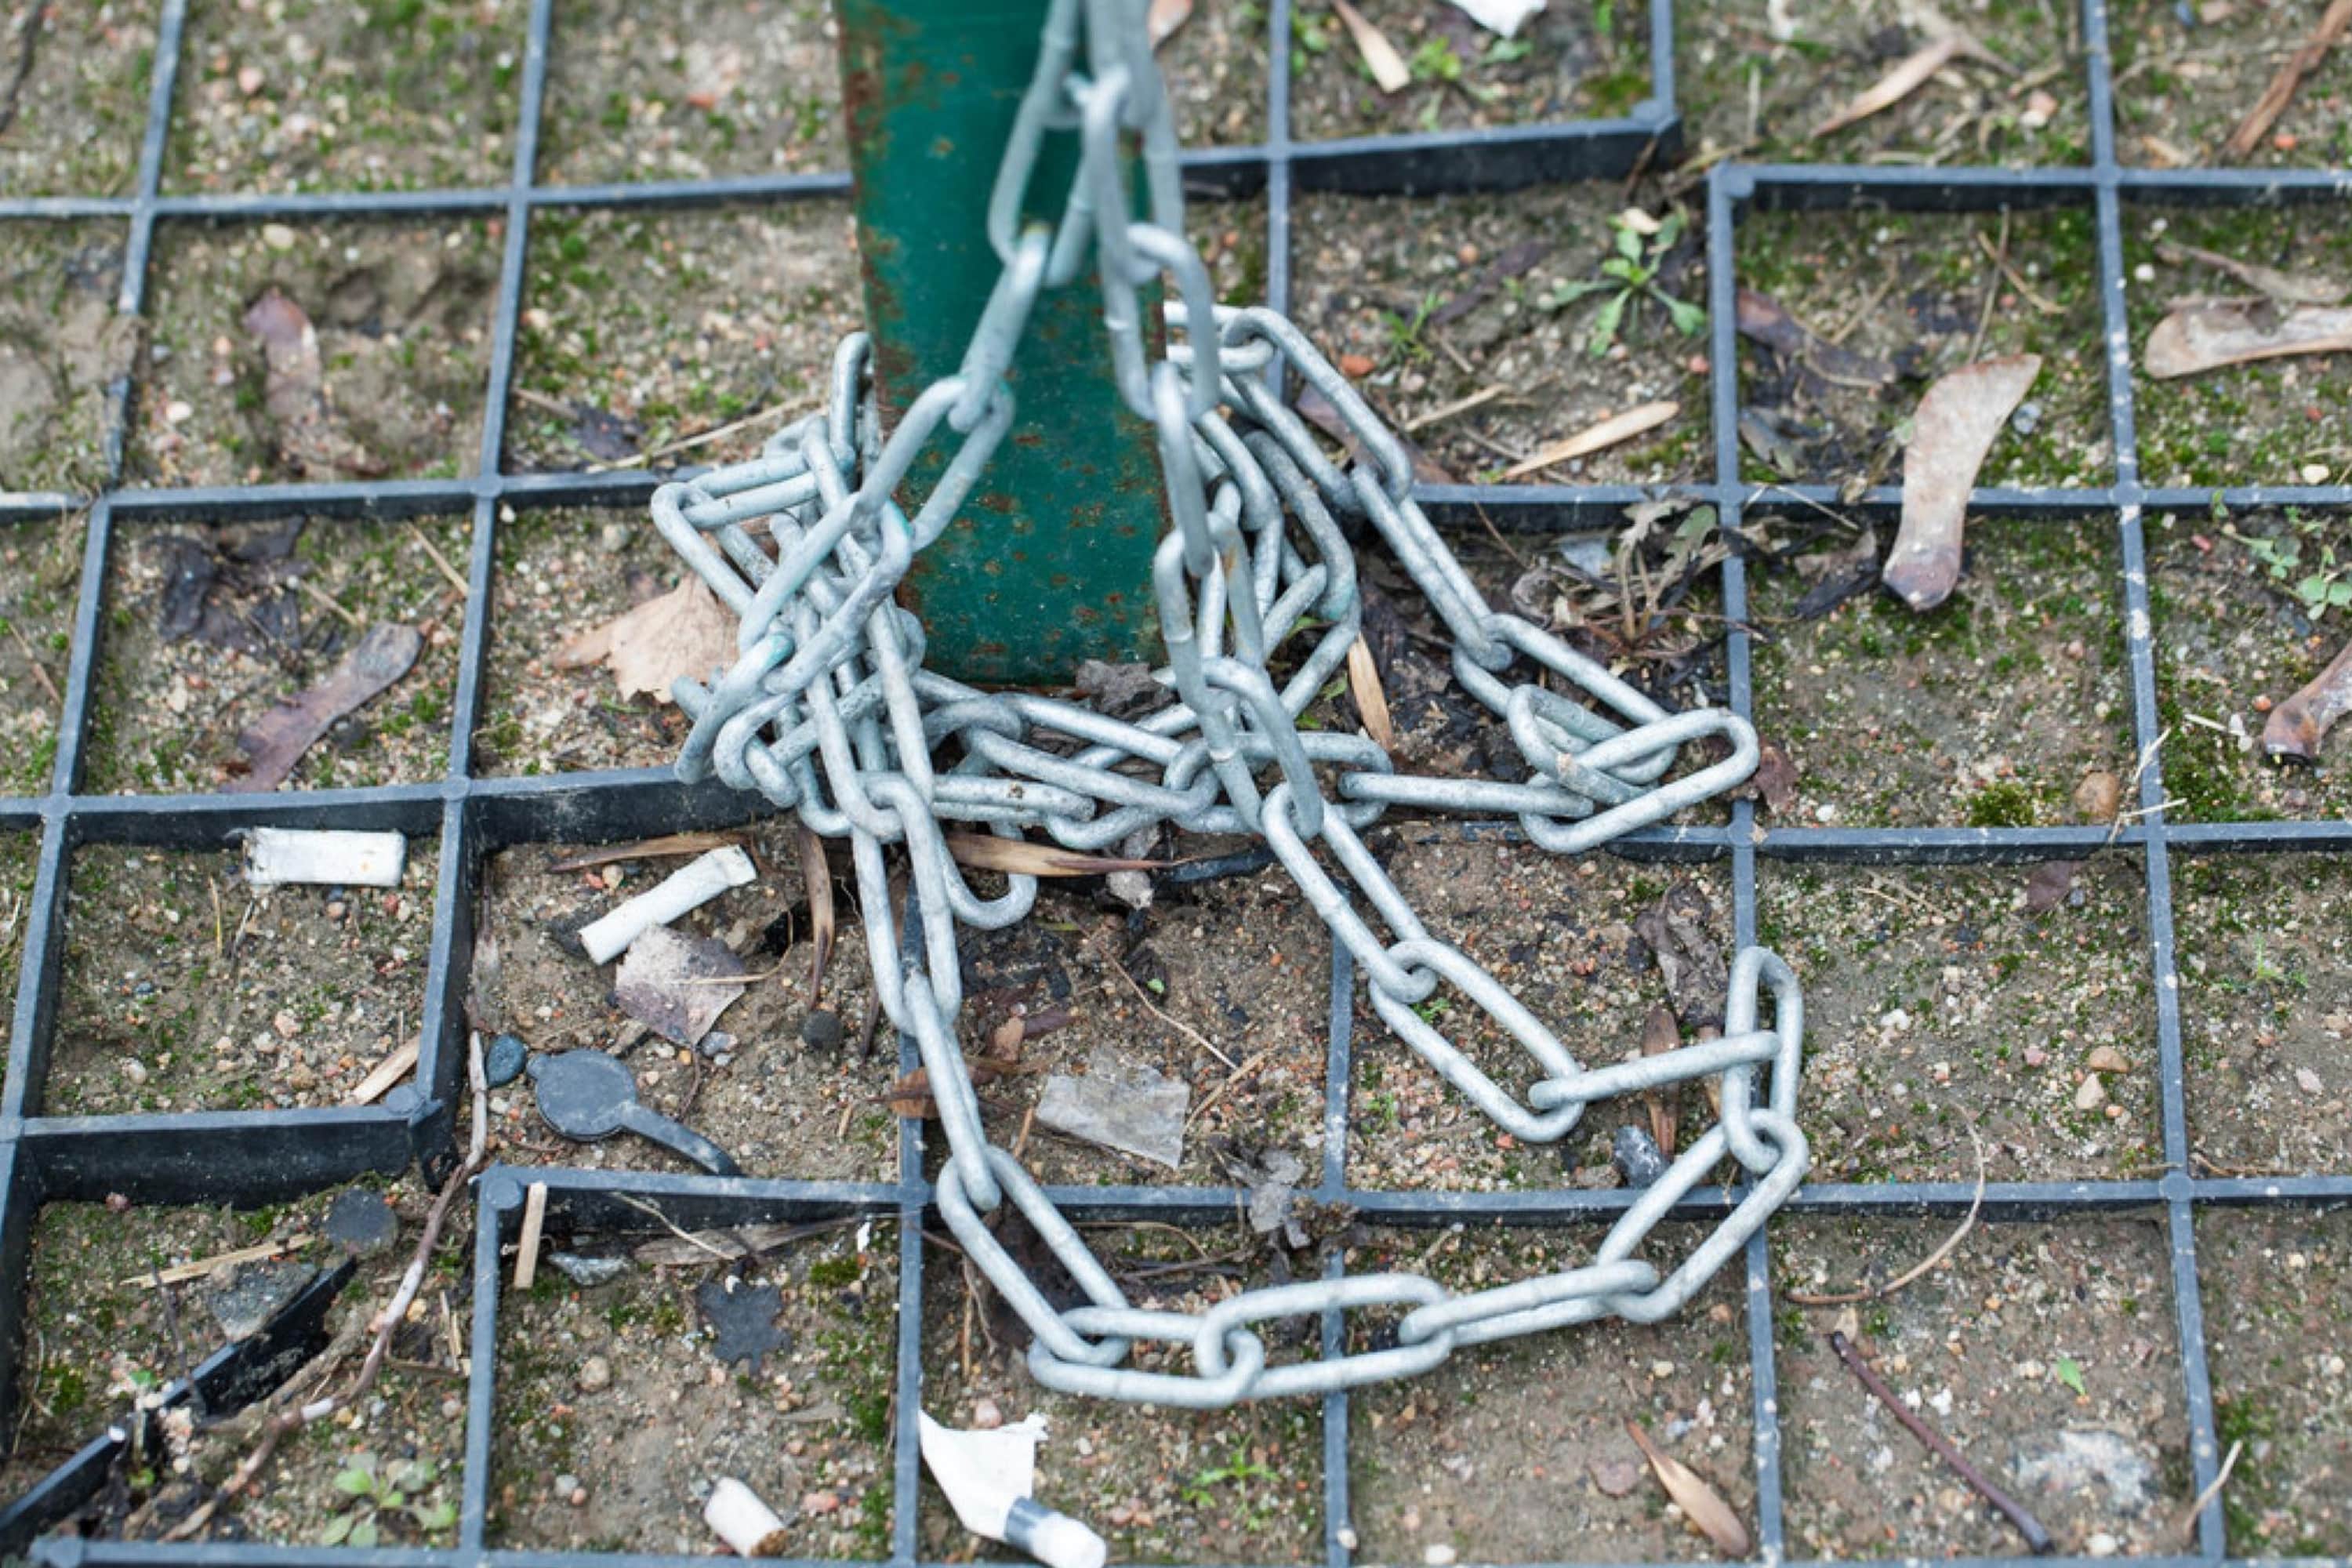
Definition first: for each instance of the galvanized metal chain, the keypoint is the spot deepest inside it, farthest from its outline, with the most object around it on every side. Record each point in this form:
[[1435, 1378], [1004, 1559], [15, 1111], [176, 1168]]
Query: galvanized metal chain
[[829, 712]]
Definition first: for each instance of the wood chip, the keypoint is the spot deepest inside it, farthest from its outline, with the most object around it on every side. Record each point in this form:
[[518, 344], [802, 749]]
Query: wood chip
[[2207, 334], [816, 876], [1372, 700], [2297, 725], [685, 634], [2281, 90], [1701, 1503], [1951, 434], [1908, 78], [534, 1217], [181, 1273], [1610, 432], [389, 1072], [1660, 1035], [1388, 67], [276, 740], [2286, 288]]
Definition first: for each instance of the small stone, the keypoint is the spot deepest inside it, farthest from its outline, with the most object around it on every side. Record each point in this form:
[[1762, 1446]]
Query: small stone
[[2027, 418], [1437, 1556], [577, 1497], [986, 1417], [2040, 105], [2308, 1081], [252, 1295], [250, 80], [1615, 1478], [277, 236], [178, 411], [1635, 1154], [2106, 1058], [614, 537], [588, 1272], [2080, 1464], [567, 1484], [820, 1503], [134, 1071], [2101, 1544], [596, 1375], [287, 1025], [2091, 1093], [2036, 1057], [2314, 473], [822, 1030], [2099, 795], [503, 1060], [1356, 366], [1348, 1537], [361, 1222]]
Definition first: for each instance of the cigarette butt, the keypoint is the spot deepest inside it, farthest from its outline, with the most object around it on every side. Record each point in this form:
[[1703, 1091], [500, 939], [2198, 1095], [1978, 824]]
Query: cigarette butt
[[738, 1517], [689, 887], [277, 856]]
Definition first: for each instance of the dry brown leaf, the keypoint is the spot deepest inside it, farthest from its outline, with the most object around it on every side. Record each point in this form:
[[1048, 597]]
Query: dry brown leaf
[[1775, 778], [2210, 333], [816, 873], [1908, 77], [1659, 1036], [1020, 858], [1372, 700], [2287, 288], [1951, 433], [1164, 18], [685, 634], [2297, 725], [1701, 1503], [1608, 433], [911, 1095], [1388, 67], [276, 741]]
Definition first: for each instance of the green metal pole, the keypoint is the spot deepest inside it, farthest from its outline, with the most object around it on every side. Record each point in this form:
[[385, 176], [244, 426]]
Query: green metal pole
[[1051, 562]]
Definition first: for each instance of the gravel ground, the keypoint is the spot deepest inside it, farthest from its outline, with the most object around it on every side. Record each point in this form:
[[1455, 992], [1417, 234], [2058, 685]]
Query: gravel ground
[[2277, 1290], [181, 991], [1569, 63], [2232, 640], [2265, 1011], [403, 316], [40, 571], [2180, 90], [1941, 1010], [19, 859], [2044, 1351], [99, 1335], [639, 330], [1434, 300], [618, 1390], [1990, 710], [327, 95], [1756, 91], [1215, 67], [1517, 1452], [168, 711], [2280, 422], [1913, 290], [81, 101], [561, 573], [1560, 931], [61, 347]]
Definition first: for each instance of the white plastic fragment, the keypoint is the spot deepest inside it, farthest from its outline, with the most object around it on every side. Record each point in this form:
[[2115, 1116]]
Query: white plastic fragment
[[277, 856], [738, 1517], [988, 1476], [1504, 17], [692, 885]]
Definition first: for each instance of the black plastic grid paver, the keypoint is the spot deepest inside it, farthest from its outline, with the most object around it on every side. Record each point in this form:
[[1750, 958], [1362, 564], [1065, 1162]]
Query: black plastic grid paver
[[261, 1156]]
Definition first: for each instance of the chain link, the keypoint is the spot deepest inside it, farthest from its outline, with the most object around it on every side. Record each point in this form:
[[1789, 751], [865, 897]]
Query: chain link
[[828, 711]]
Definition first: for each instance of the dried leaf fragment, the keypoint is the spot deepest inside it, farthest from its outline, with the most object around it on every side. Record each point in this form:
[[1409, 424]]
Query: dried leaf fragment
[[1610, 432], [1908, 77], [1765, 321], [276, 740], [1388, 67], [1951, 434], [1701, 1503], [1372, 700], [2206, 334], [685, 634], [1021, 858], [1659, 1036], [817, 875], [2297, 725], [2286, 288]]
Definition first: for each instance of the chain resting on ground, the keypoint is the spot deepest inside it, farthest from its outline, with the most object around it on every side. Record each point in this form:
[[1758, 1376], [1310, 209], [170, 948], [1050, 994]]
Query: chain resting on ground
[[828, 711]]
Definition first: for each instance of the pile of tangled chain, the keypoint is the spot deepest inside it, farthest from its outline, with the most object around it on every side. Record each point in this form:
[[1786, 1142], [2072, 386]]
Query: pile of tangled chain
[[829, 712]]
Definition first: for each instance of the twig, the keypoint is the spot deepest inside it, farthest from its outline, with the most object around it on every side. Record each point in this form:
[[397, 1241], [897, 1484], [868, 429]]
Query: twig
[[1846, 1298], [2048, 307], [2036, 1537], [331, 601], [1445, 411], [28, 33], [2212, 1489], [687, 1237], [179, 1345], [440, 559], [534, 1220], [40, 672], [702, 439], [1237, 1075], [1182, 1029], [2281, 90], [180, 1272], [1992, 287]]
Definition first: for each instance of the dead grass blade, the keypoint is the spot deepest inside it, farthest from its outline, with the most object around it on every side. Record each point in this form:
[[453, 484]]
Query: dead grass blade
[[1388, 67], [1952, 433], [1608, 433], [2207, 334], [2212, 1489], [1371, 700], [668, 844], [1701, 1503], [816, 872], [2281, 90], [1660, 1035], [2286, 288], [1908, 77], [1021, 858], [1918, 1270]]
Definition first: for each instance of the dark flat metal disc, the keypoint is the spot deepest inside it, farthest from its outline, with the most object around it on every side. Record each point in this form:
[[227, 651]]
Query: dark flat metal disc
[[583, 1094]]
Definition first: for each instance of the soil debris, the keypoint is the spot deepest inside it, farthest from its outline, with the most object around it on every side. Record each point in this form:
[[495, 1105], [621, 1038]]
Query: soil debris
[[294, 392], [1765, 320], [276, 741], [2272, 104], [1953, 432], [2207, 334]]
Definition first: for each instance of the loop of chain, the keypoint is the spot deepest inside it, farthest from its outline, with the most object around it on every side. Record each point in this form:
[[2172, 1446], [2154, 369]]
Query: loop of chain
[[828, 711]]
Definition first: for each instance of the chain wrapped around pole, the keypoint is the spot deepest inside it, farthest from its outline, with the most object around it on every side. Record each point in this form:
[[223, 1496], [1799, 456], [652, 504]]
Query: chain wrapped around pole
[[829, 712]]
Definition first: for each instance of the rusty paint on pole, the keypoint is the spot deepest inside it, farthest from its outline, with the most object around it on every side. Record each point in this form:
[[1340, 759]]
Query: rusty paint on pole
[[1051, 561]]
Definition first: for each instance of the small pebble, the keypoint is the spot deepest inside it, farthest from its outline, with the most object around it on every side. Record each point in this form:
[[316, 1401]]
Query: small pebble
[[567, 1484], [596, 1375], [588, 1272], [2101, 1544], [1437, 1556], [2099, 795], [2314, 473], [986, 1417], [503, 1060], [820, 1503], [2308, 1081], [135, 1069], [1635, 1154], [822, 1030], [277, 236], [177, 412], [2027, 418], [2091, 1093]]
